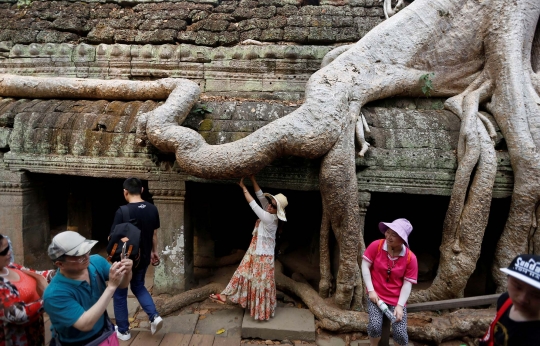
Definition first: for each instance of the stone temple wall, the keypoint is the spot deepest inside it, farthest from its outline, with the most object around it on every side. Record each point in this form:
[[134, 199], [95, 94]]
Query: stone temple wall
[[206, 22], [245, 86]]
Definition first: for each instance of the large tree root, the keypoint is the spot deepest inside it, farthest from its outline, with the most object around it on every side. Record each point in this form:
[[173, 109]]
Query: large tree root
[[467, 214], [168, 305], [462, 323]]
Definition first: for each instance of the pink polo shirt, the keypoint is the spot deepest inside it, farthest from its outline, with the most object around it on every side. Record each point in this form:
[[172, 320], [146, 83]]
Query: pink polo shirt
[[404, 269]]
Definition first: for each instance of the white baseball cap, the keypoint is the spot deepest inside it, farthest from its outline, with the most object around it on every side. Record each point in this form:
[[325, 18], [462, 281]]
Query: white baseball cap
[[69, 243]]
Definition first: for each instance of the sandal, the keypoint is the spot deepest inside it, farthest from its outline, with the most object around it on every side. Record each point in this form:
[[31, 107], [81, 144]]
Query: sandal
[[217, 298]]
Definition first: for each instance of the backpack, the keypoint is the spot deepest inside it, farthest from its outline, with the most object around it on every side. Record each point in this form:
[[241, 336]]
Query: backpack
[[126, 232]]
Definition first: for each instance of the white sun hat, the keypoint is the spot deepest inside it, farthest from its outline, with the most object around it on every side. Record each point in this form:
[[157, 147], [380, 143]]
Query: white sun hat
[[281, 202]]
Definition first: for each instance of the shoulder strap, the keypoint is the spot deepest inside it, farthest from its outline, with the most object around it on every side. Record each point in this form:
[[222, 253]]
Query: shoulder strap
[[125, 213], [488, 338], [381, 242], [408, 255]]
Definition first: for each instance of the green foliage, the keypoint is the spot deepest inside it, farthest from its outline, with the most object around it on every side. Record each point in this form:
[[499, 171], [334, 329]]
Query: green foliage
[[427, 86], [24, 3], [200, 109]]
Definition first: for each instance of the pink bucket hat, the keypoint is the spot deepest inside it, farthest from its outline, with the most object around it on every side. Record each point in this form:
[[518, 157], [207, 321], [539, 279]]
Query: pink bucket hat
[[401, 226]]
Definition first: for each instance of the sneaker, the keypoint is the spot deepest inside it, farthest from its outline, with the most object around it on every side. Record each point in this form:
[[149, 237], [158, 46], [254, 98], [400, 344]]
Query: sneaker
[[125, 336], [156, 324]]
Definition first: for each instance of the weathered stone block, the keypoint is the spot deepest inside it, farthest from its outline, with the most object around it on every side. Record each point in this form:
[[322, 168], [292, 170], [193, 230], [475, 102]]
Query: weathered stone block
[[264, 12], [251, 24], [347, 35], [156, 36], [359, 11], [22, 36], [214, 25], [342, 21], [299, 21], [287, 11], [227, 38], [254, 34], [206, 38], [277, 22], [375, 12], [322, 35], [250, 111], [47, 36], [289, 323], [321, 21], [242, 13], [272, 35], [187, 36], [295, 34]]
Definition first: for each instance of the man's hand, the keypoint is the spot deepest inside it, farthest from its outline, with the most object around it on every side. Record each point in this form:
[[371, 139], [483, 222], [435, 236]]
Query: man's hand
[[154, 258], [398, 312], [128, 264], [373, 296], [116, 274]]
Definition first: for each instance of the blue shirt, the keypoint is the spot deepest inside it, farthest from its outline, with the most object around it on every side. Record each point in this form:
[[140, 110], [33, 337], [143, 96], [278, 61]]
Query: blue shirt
[[65, 300]]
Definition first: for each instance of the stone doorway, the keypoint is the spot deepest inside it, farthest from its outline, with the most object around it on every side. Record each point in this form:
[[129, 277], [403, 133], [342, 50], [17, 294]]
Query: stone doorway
[[427, 213], [222, 223], [83, 204]]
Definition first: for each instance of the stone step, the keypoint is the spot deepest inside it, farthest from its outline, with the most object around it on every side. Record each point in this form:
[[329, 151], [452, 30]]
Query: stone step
[[287, 324]]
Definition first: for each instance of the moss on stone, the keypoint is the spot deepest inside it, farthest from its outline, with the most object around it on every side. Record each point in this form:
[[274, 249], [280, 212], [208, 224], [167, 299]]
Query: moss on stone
[[206, 125]]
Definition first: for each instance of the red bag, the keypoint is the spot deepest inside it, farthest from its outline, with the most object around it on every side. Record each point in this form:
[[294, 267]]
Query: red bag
[[488, 338]]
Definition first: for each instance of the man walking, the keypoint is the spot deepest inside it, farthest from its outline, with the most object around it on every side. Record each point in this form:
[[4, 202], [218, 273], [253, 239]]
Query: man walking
[[146, 217]]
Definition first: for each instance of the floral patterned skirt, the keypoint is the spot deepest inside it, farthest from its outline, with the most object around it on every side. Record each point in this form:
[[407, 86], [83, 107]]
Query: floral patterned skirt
[[253, 285]]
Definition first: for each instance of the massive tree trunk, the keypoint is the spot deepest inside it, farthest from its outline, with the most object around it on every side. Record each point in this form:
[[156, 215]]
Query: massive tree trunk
[[483, 55]]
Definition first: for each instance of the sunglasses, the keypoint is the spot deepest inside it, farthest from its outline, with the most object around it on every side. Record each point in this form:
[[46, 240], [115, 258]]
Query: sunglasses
[[5, 251], [270, 202]]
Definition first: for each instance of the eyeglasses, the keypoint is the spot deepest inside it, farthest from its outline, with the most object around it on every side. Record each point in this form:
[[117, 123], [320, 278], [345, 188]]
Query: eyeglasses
[[80, 259], [5, 251]]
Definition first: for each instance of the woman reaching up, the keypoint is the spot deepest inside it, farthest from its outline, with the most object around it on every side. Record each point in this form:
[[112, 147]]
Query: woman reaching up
[[252, 285]]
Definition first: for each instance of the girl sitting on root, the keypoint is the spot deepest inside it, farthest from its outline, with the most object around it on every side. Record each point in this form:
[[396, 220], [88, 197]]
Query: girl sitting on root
[[252, 285]]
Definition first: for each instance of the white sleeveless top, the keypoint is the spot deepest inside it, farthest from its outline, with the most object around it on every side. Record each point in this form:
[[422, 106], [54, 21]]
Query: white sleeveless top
[[266, 239]]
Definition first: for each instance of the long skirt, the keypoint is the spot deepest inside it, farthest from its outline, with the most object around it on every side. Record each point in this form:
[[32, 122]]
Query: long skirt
[[253, 285]]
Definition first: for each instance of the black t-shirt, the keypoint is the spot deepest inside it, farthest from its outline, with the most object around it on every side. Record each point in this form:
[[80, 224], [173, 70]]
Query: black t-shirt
[[147, 220], [511, 333]]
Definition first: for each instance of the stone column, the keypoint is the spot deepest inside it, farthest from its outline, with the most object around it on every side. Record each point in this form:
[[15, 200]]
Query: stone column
[[175, 238], [24, 217]]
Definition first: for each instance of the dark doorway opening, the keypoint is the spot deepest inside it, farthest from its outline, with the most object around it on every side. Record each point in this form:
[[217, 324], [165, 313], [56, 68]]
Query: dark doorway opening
[[222, 221], [83, 204], [426, 213]]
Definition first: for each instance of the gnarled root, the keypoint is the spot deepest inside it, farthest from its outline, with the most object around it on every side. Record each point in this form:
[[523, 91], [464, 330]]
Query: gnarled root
[[388, 10], [168, 305], [467, 215], [462, 323]]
